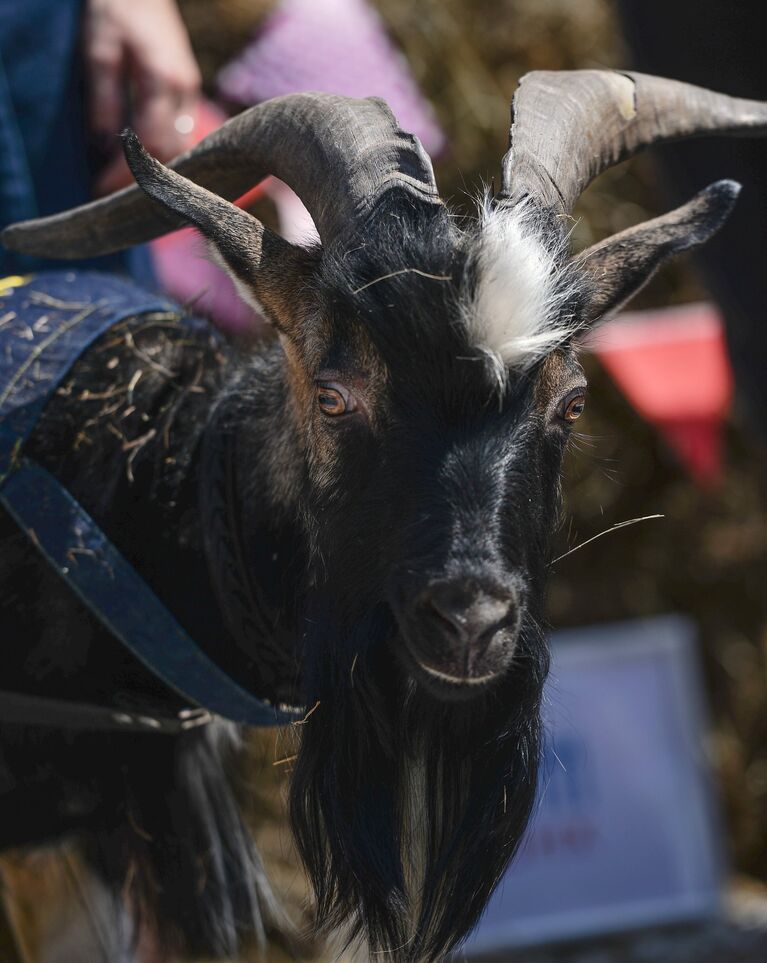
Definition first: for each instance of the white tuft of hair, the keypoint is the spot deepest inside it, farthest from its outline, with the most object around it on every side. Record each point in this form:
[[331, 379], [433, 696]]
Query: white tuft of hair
[[521, 305]]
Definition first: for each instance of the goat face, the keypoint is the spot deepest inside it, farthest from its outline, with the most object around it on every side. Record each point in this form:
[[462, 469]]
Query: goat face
[[434, 498], [478, 483], [431, 486]]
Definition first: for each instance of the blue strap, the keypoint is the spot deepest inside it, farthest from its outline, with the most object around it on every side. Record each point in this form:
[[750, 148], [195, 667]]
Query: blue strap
[[34, 359], [94, 569]]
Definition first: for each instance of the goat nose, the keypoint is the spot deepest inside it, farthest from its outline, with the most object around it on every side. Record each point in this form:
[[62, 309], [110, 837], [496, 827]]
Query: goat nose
[[465, 610]]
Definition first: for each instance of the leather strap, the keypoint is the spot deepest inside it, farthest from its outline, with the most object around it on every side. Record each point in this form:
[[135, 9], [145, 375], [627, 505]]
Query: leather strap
[[94, 569], [18, 708]]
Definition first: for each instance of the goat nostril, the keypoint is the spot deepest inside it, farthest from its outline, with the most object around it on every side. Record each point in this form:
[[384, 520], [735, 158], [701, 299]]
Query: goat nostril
[[451, 622], [463, 610]]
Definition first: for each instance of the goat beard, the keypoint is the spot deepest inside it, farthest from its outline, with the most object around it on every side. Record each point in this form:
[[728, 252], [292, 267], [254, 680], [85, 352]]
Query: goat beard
[[407, 810]]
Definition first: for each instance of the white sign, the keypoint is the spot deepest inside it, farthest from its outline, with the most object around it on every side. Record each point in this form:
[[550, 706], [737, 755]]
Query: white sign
[[624, 834]]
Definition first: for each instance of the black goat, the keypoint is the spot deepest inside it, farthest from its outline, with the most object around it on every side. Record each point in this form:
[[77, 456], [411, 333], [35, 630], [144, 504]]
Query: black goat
[[355, 517]]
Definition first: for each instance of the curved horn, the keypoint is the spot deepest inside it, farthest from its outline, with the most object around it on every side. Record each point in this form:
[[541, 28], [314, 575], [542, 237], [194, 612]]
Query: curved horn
[[337, 153], [569, 126], [250, 251]]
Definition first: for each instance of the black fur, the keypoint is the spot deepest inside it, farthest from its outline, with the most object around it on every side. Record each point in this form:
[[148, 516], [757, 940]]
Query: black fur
[[450, 456], [346, 525]]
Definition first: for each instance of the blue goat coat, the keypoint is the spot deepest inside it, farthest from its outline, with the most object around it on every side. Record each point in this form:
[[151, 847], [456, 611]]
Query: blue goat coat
[[46, 323]]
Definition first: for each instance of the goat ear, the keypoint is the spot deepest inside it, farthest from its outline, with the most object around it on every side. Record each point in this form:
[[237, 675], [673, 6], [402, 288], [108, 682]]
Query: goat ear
[[268, 271], [620, 265]]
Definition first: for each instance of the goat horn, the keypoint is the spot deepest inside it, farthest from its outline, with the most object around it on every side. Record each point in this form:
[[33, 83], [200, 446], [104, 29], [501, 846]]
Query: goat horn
[[242, 240], [339, 154], [569, 126]]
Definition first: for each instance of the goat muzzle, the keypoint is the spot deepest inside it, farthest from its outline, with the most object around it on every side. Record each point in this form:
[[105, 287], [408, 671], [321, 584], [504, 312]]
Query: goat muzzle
[[460, 634]]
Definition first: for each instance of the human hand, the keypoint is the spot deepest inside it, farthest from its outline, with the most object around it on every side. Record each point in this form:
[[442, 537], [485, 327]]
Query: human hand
[[141, 70]]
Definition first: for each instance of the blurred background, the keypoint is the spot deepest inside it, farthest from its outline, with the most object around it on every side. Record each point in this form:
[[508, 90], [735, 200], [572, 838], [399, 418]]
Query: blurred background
[[702, 469]]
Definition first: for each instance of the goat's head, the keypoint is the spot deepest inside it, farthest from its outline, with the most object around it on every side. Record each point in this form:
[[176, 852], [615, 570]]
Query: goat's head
[[432, 384]]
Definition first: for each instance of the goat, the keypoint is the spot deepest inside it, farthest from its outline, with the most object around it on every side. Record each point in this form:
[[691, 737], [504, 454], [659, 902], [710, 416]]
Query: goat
[[383, 477]]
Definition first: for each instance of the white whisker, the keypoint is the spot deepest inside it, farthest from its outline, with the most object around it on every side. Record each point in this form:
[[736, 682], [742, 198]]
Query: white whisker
[[613, 528]]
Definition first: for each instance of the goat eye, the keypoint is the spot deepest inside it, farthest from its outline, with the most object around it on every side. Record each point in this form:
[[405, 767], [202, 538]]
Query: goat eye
[[334, 399], [572, 406]]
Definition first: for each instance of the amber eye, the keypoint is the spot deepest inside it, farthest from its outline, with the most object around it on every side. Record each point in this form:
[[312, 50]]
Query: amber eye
[[572, 406], [334, 399]]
